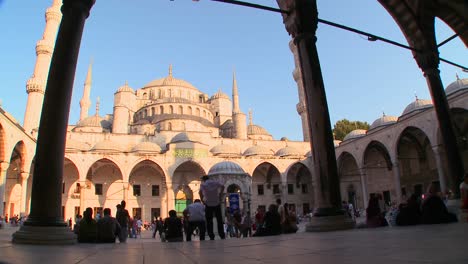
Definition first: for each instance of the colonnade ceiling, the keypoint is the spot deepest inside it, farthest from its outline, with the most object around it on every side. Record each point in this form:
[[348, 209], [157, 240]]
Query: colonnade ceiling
[[147, 171], [266, 173], [347, 165], [412, 138], [299, 173], [377, 155], [186, 173]]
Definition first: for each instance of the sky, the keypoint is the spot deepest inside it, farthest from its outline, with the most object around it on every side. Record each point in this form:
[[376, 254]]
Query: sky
[[205, 41]]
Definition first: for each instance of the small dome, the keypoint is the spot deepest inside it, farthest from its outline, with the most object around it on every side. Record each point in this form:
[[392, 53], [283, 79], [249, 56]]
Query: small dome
[[225, 150], [72, 144], [108, 146], [125, 88], [147, 147], [336, 143], [288, 152], [458, 85], [226, 167], [355, 134], [94, 121], [418, 104], [220, 94], [257, 130], [184, 137], [385, 120], [257, 150]]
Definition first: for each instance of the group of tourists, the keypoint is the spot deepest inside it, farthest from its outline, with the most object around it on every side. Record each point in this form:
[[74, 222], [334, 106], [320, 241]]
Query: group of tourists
[[279, 219]]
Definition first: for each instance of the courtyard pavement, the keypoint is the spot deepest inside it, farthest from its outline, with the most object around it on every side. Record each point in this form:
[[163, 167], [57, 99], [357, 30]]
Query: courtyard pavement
[[446, 243]]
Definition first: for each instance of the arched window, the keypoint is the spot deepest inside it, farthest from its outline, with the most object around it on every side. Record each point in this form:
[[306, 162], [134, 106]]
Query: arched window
[[146, 113], [153, 111], [190, 112], [181, 110], [171, 109], [197, 112], [161, 110], [159, 94], [169, 126], [183, 126]]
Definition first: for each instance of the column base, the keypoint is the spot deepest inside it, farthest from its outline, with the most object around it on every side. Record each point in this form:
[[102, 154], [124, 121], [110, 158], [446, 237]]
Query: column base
[[44, 235], [335, 220]]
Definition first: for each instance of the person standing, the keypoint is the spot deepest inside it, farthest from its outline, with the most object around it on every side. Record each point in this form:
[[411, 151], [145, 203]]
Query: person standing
[[123, 218], [173, 228], [211, 193], [196, 218]]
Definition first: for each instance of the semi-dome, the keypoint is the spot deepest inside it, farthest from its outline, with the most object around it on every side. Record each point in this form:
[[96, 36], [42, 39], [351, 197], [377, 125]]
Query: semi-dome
[[458, 85], [416, 105], [108, 146], [223, 149], [94, 121], [125, 88], [72, 144], [147, 147], [257, 130], [226, 167], [288, 152], [357, 133], [220, 94], [257, 150], [384, 120], [184, 137]]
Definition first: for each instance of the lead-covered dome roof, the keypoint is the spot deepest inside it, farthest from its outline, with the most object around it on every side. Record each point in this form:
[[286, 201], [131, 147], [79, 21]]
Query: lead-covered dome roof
[[184, 137], [417, 105], [94, 121], [108, 146], [125, 88], [458, 85], [147, 147], [223, 149], [257, 150], [288, 152], [226, 167], [170, 81], [257, 130], [357, 133], [384, 120]]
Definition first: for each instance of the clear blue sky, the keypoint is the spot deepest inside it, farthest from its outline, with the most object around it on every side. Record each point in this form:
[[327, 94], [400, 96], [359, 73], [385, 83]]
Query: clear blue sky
[[205, 40]]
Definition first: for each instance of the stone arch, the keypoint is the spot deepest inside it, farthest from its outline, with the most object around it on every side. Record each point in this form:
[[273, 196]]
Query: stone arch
[[2, 144], [186, 178], [378, 171], [105, 183], [299, 188], [267, 185], [147, 189], [460, 123], [416, 161], [71, 190], [350, 176], [14, 184]]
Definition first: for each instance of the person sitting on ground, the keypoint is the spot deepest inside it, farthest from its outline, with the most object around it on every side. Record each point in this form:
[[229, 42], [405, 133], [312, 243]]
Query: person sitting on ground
[[88, 227], [409, 213], [173, 228], [374, 216], [434, 210], [271, 223], [107, 228], [289, 222]]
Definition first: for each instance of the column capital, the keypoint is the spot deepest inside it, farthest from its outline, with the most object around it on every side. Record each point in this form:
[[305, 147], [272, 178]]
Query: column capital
[[4, 165], [298, 20], [81, 5]]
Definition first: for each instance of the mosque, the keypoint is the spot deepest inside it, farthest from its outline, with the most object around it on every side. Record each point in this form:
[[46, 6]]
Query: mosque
[[161, 138]]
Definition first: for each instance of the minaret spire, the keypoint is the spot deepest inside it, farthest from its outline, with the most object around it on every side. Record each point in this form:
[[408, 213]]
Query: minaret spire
[[85, 101], [250, 117], [97, 105], [35, 86], [235, 94]]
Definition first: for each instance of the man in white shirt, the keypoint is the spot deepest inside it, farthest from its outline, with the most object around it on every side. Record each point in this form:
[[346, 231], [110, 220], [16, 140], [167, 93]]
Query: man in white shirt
[[211, 193], [196, 218]]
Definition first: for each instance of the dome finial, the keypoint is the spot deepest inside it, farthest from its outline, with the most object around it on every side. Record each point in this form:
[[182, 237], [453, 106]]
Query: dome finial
[[383, 113], [456, 75], [97, 106], [416, 96], [250, 117], [170, 70]]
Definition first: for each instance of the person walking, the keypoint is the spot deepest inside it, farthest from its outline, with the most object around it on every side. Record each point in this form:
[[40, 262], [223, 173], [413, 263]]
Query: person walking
[[196, 219], [123, 217], [211, 193]]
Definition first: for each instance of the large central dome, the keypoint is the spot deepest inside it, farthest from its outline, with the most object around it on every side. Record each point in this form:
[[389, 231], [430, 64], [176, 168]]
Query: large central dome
[[170, 81]]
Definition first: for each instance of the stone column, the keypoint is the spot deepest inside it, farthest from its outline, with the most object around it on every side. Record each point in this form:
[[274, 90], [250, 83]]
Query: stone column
[[125, 187], [3, 172], [396, 181], [428, 61], [24, 190], [301, 24], [83, 189], [45, 224], [170, 198], [440, 169], [365, 195]]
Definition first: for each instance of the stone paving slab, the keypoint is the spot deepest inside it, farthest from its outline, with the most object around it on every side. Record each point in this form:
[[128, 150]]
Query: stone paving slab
[[433, 244]]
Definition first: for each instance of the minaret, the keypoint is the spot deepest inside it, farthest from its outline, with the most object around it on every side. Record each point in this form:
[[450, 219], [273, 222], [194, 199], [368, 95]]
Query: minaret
[[238, 118], [35, 86], [85, 102]]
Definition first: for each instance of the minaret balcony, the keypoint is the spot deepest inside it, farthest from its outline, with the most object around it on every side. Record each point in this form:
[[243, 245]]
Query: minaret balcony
[[53, 13], [43, 47], [35, 85]]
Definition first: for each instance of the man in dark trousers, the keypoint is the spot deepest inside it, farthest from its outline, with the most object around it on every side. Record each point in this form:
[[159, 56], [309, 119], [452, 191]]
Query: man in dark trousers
[[211, 193]]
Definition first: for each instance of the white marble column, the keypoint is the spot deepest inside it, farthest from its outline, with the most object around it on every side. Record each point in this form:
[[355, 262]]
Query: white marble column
[[365, 195], [396, 180], [170, 194], [3, 173], [440, 170], [24, 190], [83, 189]]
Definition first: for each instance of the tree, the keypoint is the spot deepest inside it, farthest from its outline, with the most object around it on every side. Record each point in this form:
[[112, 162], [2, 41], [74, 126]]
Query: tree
[[344, 126]]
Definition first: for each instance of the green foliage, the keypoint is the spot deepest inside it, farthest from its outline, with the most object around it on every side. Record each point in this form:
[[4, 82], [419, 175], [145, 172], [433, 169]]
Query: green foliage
[[344, 126]]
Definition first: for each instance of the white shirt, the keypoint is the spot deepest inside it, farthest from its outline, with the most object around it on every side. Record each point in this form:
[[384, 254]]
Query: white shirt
[[211, 190], [196, 212]]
